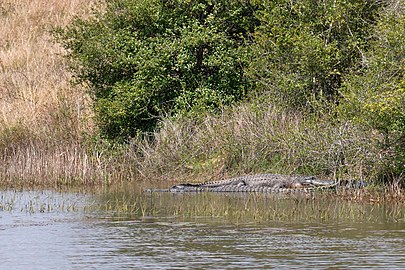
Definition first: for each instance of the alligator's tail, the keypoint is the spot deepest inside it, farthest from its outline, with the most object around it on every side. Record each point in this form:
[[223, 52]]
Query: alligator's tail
[[179, 188], [150, 190]]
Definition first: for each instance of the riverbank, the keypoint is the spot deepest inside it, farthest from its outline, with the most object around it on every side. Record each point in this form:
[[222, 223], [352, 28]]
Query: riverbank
[[49, 136]]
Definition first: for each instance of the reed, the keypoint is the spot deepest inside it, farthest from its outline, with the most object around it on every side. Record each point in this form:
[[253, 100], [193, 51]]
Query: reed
[[245, 208], [42, 201], [258, 138], [58, 165], [126, 201], [42, 115]]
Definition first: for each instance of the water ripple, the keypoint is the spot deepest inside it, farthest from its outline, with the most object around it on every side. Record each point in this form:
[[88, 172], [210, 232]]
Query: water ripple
[[73, 240]]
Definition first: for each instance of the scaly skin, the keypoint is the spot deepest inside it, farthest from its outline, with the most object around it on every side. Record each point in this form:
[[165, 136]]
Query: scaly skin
[[258, 189], [264, 183]]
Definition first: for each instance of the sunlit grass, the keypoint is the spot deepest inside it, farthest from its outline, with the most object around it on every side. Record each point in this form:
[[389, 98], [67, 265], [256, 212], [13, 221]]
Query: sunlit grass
[[43, 116], [36, 94]]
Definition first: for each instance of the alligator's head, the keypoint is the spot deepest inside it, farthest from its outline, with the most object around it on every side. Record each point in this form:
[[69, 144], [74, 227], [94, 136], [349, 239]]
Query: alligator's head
[[313, 182]]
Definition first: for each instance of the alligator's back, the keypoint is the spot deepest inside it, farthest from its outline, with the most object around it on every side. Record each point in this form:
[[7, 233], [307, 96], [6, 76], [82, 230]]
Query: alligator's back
[[266, 183]]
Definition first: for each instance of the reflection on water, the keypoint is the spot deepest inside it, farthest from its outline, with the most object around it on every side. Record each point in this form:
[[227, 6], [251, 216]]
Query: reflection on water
[[117, 229]]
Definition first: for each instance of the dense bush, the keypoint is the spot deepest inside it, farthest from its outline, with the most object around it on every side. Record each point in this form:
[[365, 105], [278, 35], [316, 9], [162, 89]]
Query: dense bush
[[374, 96], [304, 48], [147, 58], [144, 59]]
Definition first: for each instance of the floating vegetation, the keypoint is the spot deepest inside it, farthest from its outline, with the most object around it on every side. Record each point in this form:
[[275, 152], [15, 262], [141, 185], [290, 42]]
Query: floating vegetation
[[248, 207], [128, 203], [43, 201]]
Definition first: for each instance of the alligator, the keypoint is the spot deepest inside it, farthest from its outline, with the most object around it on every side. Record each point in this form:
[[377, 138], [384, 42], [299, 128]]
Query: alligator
[[264, 183]]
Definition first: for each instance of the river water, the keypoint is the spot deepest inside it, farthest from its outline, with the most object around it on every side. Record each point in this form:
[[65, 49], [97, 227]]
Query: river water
[[126, 229]]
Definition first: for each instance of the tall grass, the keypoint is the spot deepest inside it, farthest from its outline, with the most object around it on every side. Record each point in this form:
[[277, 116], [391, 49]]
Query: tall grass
[[261, 138], [70, 164], [36, 92], [42, 115]]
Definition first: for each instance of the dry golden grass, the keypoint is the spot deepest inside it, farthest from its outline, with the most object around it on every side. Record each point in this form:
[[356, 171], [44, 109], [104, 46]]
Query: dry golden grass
[[42, 115], [35, 89], [38, 165]]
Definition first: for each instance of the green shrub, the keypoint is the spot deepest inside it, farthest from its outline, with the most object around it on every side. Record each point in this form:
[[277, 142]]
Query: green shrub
[[374, 96], [148, 58], [303, 48]]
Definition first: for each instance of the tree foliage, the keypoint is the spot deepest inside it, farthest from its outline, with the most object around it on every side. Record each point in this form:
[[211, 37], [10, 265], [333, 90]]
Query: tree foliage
[[147, 58], [304, 48], [374, 96]]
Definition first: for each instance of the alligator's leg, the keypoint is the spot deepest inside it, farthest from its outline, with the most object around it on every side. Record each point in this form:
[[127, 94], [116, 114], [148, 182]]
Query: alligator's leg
[[284, 184]]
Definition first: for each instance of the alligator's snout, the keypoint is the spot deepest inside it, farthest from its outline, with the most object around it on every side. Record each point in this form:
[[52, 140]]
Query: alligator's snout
[[184, 188], [319, 183], [177, 188]]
